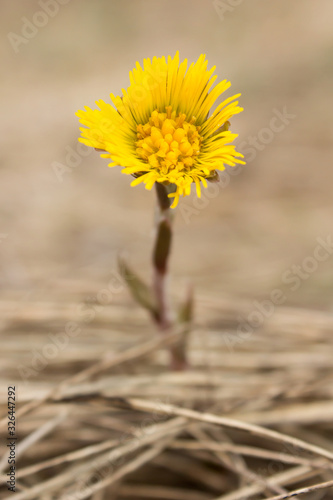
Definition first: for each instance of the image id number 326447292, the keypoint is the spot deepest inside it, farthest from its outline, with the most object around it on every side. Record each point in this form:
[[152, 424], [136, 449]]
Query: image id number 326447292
[[12, 438]]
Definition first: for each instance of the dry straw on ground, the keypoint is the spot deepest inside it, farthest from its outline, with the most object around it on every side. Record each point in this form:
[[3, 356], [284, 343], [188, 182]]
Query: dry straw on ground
[[106, 419]]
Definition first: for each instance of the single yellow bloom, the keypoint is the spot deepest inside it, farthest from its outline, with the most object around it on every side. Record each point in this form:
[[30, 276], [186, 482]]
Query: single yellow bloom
[[160, 129]]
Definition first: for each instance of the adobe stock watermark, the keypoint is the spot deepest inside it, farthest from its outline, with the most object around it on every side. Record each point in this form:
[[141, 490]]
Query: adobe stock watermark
[[75, 156], [292, 280], [249, 148], [222, 7], [105, 127], [30, 27], [195, 205], [73, 159], [254, 143], [57, 342]]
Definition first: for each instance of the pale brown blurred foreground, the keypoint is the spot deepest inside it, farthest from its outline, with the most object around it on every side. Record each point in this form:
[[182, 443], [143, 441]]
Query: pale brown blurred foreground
[[80, 422]]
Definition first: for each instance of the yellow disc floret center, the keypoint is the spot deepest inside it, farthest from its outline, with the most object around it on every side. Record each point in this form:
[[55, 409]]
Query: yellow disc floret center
[[167, 141]]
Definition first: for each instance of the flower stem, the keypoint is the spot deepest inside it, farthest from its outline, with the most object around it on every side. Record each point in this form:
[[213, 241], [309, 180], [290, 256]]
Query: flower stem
[[161, 254]]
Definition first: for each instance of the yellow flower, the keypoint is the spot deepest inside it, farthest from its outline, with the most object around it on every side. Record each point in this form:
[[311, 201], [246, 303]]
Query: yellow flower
[[159, 130]]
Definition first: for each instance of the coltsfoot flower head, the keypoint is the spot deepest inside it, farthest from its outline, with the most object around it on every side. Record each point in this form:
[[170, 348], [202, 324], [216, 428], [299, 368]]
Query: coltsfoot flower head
[[160, 130]]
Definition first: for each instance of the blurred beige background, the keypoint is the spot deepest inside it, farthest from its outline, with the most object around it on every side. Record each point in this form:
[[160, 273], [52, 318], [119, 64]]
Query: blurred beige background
[[65, 233]]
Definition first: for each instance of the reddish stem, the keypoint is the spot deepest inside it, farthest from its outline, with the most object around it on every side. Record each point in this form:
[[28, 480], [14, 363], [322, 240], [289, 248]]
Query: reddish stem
[[161, 255]]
